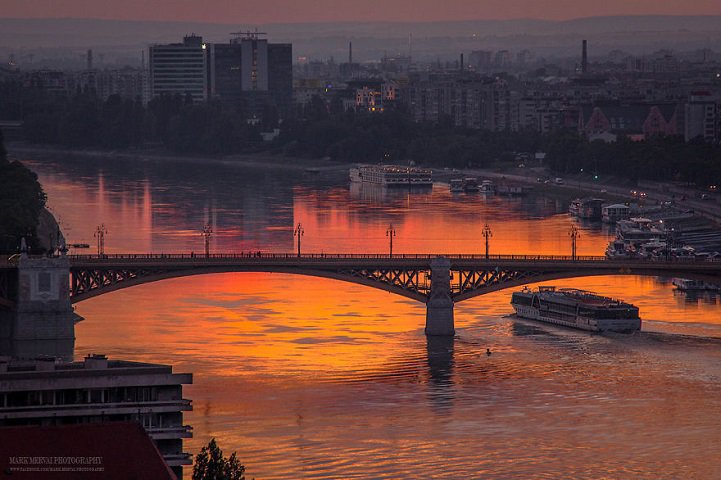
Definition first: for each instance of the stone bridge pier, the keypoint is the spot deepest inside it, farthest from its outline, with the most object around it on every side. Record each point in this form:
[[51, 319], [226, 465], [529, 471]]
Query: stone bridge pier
[[41, 321], [439, 308]]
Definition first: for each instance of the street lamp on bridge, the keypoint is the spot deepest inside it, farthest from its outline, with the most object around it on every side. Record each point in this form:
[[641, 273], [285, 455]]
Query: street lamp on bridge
[[100, 233], [390, 233], [487, 234], [207, 233], [574, 234], [298, 233]]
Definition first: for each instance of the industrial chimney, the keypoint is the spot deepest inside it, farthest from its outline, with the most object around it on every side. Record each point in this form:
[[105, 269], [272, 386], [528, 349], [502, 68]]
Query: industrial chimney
[[584, 59]]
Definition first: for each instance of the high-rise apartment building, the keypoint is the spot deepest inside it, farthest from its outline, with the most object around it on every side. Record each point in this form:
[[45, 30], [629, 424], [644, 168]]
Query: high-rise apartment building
[[246, 71], [250, 70], [702, 117], [179, 68]]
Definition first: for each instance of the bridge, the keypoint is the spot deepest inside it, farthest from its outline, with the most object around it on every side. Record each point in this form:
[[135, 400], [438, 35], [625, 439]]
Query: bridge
[[439, 281]]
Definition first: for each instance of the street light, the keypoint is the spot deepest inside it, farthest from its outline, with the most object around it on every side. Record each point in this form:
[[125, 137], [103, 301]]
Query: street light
[[390, 233], [574, 234], [100, 233], [298, 233], [487, 234], [207, 232]]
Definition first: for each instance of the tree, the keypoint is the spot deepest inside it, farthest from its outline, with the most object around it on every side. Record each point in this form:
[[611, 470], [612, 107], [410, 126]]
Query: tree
[[210, 464], [21, 200]]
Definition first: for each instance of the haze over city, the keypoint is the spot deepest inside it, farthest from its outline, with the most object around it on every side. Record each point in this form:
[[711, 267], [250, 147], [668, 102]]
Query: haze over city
[[297, 11]]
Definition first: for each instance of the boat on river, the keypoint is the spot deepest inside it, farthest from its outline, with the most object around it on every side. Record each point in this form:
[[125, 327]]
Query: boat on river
[[571, 307], [689, 285], [392, 175], [456, 185], [470, 185]]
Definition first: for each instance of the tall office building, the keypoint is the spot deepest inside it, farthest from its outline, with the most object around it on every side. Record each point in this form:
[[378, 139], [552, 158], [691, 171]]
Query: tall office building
[[250, 70], [179, 68], [702, 117]]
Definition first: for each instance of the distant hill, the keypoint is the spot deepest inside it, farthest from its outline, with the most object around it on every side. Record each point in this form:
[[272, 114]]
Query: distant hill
[[372, 39]]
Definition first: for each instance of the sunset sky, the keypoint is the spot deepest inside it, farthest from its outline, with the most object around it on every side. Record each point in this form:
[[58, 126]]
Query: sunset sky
[[290, 11]]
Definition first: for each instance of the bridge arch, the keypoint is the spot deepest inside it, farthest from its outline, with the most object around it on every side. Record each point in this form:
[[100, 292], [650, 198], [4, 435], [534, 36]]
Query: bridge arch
[[550, 276], [392, 281]]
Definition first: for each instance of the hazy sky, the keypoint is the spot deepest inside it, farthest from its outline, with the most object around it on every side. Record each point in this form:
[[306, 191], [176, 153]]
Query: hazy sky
[[289, 11]]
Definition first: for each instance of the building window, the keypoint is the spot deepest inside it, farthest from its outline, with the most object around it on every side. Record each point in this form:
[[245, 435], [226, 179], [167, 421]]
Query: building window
[[43, 282]]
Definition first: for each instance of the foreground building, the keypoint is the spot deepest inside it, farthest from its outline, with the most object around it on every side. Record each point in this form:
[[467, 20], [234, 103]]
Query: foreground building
[[96, 390], [107, 451]]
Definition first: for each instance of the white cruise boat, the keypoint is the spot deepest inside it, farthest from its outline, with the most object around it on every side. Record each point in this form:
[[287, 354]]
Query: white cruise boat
[[686, 285], [392, 175], [581, 309]]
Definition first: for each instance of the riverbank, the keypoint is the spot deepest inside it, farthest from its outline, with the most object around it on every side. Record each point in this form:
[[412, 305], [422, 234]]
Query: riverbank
[[258, 160], [609, 188]]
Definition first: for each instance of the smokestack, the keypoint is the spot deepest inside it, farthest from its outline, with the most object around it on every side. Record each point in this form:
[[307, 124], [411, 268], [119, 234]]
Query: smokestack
[[584, 59], [350, 52], [461, 62], [90, 59]]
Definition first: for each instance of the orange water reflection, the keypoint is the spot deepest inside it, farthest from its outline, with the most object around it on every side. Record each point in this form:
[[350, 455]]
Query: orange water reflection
[[336, 379]]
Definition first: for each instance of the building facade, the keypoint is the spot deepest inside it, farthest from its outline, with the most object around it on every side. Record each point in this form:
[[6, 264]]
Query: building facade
[[251, 71], [179, 69], [96, 390]]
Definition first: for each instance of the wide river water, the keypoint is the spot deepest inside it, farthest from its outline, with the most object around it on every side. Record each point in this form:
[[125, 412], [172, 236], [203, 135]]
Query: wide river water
[[315, 378]]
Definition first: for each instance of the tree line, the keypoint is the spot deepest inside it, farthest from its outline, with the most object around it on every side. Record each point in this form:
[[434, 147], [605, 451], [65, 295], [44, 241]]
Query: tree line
[[324, 129], [21, 200]]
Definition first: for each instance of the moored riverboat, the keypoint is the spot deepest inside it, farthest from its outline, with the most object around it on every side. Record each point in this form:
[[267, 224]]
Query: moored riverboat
[[392, 175]]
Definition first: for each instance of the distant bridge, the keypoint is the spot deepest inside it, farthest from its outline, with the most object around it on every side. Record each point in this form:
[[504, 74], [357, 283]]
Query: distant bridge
[[439, 281]]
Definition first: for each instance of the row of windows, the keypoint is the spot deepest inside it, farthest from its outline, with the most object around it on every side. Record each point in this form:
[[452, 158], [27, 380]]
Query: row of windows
[[78, 396]]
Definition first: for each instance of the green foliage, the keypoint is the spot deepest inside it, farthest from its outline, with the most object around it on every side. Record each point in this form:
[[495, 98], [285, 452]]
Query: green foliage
[[21, 200], [210, 464]]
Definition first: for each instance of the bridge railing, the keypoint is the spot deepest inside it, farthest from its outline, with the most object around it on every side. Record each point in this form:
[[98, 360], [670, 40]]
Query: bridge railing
[[260, 256]]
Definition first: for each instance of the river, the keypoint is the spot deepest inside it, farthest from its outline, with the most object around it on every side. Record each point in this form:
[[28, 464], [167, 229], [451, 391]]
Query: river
[[315, 378]]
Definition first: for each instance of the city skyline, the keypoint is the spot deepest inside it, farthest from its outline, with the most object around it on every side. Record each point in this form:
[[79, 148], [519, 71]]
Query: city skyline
[[286, 11]]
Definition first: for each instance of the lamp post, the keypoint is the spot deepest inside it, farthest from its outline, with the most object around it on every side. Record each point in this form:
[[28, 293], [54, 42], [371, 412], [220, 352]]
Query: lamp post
[[487, 234], [390, 233], [207, 233], [298, 233], [574, 234], [100, 233]]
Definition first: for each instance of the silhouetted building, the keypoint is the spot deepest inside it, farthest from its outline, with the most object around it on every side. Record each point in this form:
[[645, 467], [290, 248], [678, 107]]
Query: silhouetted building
[[702, 117], [179, 68], [250, 70]]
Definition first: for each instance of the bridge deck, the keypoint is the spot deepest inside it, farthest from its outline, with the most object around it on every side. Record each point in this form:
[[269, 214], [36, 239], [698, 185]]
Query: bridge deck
[[395, 261], [404, 274]]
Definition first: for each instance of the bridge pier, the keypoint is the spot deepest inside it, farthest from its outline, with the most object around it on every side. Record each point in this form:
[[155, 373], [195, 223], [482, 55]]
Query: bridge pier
[[42, 321], [439, 308]]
